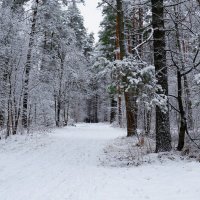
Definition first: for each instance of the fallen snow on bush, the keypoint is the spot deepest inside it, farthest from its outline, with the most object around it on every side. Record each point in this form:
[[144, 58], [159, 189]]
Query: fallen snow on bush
[[136, 151]]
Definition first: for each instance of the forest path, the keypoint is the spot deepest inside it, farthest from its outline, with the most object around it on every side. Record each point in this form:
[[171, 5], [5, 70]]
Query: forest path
[[65, 165]]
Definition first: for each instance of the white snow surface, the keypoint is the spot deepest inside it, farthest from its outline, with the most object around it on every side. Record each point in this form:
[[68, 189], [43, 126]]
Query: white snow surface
[[65, 165]]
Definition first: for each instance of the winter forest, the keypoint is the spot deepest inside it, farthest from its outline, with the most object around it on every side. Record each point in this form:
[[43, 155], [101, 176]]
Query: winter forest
[[109, 119]]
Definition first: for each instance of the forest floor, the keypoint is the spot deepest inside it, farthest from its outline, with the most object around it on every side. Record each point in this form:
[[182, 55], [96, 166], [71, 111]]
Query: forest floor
[[73, 164]]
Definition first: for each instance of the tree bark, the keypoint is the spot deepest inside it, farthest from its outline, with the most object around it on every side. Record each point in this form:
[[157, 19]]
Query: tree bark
[[131, 114], [140, 49], [120, 109], [147, 121], [120, 17], [96, 120], [59, 97], [163, 137], [183, 123], [188, 103], [118, 58], [113, 109], [58, 109], [28, 67]]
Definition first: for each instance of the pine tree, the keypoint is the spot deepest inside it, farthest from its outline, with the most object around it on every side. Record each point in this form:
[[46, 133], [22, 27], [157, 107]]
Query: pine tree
[[76, 23], [107, 34], [107, 47], [163, 137], [88, 46]]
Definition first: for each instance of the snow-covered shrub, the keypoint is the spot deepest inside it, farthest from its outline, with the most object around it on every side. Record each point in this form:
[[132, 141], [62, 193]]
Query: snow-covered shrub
[[136, 75]]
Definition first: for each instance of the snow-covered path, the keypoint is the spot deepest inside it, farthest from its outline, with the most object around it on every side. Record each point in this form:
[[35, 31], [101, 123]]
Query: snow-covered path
[[65, 166]]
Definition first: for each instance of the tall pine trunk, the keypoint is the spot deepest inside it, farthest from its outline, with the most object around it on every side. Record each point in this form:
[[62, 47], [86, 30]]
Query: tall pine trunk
[[163, 137], [119, 98], [131, 114], [28, 67]]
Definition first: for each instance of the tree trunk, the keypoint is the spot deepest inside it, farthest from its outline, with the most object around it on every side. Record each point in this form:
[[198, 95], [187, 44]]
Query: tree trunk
[[163, 137], [182, 47], [17, 111], [120, 17], [183, 121], [188, 103], [66, 114], [120, 110], [58, 109], [147, 121], [60, 96], [2, 118], [113, 109], [131, 114], [55, 107], [9, 120], [96, 120], [119, 105], [28, 67], [140, 49], [89, 111], [9, 109], [183, 124]]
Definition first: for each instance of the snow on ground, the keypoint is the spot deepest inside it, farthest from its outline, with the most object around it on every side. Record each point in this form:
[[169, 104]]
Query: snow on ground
[[66, 165], [139, 150]]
